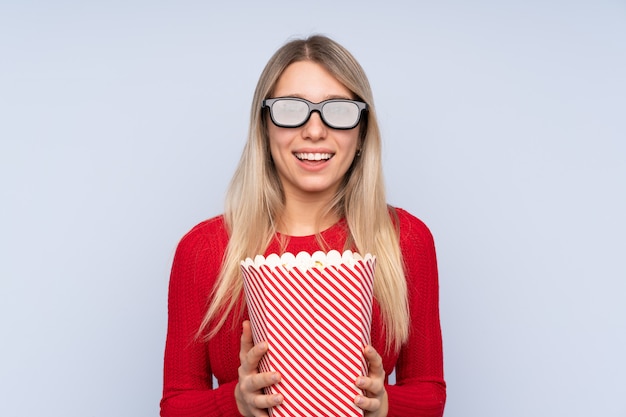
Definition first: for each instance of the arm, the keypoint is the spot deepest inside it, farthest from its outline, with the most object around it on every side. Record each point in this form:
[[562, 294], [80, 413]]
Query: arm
[[187, 387], [420, 390]]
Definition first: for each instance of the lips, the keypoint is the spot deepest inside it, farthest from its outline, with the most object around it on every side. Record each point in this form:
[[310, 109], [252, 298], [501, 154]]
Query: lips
[[313, 156]]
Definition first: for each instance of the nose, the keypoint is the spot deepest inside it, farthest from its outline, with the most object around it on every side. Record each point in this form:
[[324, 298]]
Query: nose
[[314, 128]]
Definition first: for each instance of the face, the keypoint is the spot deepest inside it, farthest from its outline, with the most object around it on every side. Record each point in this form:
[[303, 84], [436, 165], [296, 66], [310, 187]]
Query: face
[[312, 159]]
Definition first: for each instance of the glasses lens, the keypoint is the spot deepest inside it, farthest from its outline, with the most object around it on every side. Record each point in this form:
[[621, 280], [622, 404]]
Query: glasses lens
[[289, 112], [341, 114]]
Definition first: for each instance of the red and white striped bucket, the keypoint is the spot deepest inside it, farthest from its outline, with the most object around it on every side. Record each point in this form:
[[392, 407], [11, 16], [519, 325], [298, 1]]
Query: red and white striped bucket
[[315, 311]]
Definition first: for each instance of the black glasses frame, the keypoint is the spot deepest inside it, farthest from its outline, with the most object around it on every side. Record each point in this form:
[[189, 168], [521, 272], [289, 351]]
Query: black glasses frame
[[317, 107]]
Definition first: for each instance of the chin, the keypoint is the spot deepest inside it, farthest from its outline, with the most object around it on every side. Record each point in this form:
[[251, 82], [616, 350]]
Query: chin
[[319, 189]]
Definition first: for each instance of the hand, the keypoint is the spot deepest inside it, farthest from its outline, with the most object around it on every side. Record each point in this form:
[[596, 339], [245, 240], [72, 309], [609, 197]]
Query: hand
[[375, 402], [249, 390]]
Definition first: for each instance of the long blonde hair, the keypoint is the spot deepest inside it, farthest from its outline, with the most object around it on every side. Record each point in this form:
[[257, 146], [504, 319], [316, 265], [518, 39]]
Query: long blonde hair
[[255, 199]]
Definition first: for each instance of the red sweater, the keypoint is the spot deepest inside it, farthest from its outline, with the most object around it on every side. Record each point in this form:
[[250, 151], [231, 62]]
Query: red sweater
[[420, 389]]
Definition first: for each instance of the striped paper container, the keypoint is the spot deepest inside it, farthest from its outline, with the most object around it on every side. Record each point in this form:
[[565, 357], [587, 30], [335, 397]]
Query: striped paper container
[[315, 311]]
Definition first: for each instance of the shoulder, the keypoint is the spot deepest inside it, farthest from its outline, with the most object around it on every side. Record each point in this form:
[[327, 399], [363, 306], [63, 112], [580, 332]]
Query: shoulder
[[210, 227], [418, 252], [204, 236], [197, 262], [198, 257], [411, 228]]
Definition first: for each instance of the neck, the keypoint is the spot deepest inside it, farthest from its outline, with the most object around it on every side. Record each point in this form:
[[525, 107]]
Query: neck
[[303, 215]]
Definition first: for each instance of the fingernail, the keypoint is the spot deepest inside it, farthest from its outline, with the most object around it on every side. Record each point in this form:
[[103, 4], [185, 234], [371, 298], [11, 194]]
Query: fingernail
[[360, 381], [277, 399], [358, 400], [275, 378]]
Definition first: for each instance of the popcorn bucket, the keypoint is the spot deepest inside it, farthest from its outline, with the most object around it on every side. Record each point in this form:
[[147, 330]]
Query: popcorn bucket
[[315, 312]]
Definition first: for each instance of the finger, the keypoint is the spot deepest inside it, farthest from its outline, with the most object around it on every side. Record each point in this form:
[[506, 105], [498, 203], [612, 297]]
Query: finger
[[246, 340], [250, 355], [267, 401], [375, 362], [256, 382], [367, 404], [376, 371], [251, 359], [373, 387]]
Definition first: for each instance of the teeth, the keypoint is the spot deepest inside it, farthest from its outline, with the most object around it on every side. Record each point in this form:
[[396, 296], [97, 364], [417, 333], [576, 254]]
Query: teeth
[[313, 156]]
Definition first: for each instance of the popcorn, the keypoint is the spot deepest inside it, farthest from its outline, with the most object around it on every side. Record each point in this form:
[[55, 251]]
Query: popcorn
[[315, 311], [305, 260]]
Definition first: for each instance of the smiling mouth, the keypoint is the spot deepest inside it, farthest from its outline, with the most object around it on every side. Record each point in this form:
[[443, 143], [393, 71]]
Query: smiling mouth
[[303, 156]]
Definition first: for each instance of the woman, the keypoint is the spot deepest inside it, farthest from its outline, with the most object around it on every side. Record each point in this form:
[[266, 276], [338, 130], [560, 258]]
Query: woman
[[309, 179]]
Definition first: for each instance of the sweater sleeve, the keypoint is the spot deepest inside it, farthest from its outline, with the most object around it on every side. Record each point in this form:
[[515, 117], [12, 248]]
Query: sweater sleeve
[[187, 382], [420, 390]]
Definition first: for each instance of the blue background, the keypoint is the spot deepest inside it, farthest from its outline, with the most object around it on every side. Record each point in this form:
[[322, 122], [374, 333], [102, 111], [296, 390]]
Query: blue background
[[504, 125]]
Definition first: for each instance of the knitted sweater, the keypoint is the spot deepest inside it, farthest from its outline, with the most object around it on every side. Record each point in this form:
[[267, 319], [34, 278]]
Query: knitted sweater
[[190, 364]]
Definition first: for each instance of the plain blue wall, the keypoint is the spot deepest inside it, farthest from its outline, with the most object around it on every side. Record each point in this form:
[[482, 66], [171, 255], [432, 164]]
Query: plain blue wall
[[504, 126]]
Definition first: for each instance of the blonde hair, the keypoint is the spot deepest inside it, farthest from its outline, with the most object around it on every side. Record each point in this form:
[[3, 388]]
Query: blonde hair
[[255, 199]]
